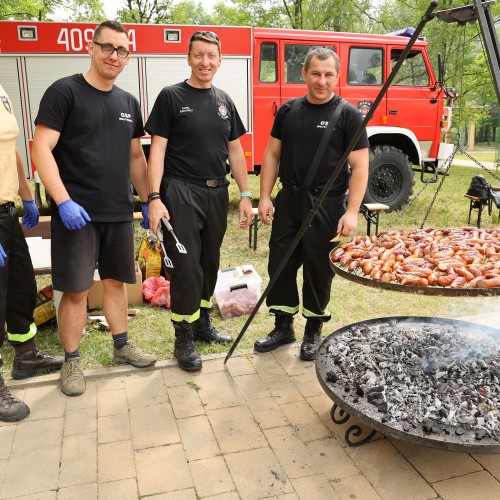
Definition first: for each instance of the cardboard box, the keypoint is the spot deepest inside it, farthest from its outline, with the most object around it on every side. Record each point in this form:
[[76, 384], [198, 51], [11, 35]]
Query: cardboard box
[[134, 292], [237, 291]]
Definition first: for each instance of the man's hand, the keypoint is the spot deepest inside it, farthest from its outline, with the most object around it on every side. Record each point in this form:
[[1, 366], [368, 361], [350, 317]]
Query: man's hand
[[145, 216], [266, 211], [30, 218], [347, 224], [156, 211], [73, 216], [3, 256], [246, 215]]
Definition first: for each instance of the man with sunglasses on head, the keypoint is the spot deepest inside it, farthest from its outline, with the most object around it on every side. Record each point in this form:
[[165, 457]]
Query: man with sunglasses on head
[[195, 129], [87, 150]]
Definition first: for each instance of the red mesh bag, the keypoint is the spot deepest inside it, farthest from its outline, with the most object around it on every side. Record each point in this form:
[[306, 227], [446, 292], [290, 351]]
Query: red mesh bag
[[157, 291]]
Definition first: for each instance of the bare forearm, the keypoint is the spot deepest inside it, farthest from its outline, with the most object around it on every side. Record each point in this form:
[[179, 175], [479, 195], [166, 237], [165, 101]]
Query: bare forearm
[[139, 177], [24, 188], [359, 162], [49, 173], [239, 170]]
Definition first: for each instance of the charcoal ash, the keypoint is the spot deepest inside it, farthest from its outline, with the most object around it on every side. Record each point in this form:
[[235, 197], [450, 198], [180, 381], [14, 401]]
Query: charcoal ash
[[439, 378]]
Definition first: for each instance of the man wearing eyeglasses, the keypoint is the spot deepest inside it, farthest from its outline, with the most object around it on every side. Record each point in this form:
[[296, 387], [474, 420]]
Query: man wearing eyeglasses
[[87, 149], [195, 129]]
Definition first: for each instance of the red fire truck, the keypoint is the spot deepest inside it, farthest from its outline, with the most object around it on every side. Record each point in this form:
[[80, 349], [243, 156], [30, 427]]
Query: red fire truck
[[261, 69]]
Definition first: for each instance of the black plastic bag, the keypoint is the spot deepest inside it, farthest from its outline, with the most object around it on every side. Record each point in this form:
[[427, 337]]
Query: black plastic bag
[[479, 187]]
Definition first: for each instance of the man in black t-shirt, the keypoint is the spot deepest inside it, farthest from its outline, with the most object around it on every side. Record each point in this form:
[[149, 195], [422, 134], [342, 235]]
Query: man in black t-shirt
[[87, 150], [296, 134], [195, 129]]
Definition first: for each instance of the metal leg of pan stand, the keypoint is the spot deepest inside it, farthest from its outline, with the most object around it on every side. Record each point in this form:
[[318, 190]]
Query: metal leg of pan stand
[[371, 217], [252, 233], [470, 211], [354, 430]]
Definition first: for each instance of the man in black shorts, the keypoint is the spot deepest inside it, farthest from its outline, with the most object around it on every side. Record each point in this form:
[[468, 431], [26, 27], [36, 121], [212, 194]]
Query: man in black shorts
[[195, 128], [295, 137], [87, 149]]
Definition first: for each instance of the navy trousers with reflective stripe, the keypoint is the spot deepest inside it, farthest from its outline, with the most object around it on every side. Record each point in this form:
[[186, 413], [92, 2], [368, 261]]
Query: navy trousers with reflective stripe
[[198, 215], [17, 279], [292, 205]]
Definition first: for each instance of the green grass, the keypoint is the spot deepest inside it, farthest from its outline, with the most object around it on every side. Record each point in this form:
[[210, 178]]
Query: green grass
[[480, 156], [350, 302]]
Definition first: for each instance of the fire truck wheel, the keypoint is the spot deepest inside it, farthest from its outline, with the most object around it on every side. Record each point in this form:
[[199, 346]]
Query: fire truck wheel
[[391, 177]]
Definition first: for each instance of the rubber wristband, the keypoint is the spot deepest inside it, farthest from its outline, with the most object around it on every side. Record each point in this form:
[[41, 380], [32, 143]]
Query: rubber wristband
[[152, 195], [153, 198], [245, 194]]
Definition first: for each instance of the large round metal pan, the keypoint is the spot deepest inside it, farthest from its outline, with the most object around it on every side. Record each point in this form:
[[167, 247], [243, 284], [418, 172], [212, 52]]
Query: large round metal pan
[[423, 290], [368, 413]]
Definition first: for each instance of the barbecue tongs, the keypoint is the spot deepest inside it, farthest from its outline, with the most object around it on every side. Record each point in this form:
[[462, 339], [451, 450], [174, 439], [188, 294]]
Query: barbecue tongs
[[180, 247]]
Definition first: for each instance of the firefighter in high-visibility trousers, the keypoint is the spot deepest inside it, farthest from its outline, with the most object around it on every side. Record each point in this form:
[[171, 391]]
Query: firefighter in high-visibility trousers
[[17, 278], [195, 128]]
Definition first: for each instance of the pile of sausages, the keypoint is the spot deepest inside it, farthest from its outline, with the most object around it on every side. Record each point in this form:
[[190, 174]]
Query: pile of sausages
[[237, 302], [456, 257]]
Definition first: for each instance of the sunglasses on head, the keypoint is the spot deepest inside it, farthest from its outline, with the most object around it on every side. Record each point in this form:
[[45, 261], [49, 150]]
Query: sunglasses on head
[[205, 34]]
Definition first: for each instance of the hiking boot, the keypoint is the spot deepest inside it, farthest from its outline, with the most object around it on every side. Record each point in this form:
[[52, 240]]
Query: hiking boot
[[205, 332], [312, 339], [185, 351], [72, 378], [281, 334], [132, 355], [34, 362], [11, 409]]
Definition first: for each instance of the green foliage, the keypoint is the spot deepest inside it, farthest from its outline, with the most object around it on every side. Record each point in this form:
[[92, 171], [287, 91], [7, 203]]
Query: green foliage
[[44, 10], [145, 11], [250, 13]]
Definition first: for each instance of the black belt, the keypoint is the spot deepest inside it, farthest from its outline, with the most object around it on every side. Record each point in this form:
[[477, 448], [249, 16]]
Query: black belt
[[212, 183], [5, 207], [314, 190]]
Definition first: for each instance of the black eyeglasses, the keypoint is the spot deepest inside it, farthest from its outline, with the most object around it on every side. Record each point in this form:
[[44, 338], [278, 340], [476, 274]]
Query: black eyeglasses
[[108, 48], [204, 34]]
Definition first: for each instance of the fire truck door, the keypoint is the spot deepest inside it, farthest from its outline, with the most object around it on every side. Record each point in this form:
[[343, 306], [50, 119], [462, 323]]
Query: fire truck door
[[362, 77], [409, 98], [266, 94]]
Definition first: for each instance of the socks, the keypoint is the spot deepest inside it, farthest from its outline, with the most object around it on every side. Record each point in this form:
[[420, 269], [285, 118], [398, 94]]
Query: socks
[[71, 355], [120, 339]]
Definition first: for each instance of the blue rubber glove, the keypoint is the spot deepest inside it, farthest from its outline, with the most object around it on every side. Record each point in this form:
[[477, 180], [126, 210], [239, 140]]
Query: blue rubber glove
[[145, 213], [73, 216], [30, 218], [3, 256]]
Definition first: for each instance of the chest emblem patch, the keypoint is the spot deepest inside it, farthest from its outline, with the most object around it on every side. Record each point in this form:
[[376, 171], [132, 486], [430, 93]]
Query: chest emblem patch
[[222, 111], [6, 103]]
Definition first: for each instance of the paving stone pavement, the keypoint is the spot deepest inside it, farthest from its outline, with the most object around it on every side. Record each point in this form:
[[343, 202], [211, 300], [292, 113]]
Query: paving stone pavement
[[257, 427]]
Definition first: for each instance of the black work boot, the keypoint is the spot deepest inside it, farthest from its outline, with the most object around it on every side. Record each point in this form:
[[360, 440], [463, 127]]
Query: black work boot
[[312, 339], [281, 334], [11, 409], [185, 351], [204, 331], [30, 361]]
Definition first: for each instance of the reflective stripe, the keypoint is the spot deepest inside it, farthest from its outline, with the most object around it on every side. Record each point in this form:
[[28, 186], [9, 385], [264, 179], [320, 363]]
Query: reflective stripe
[[309, 314], [285, 309], [178, 318], [23, 337], [206, 304]]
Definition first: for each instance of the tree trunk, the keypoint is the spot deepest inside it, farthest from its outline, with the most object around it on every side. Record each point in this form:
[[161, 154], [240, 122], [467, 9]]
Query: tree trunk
[[471, 130]]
